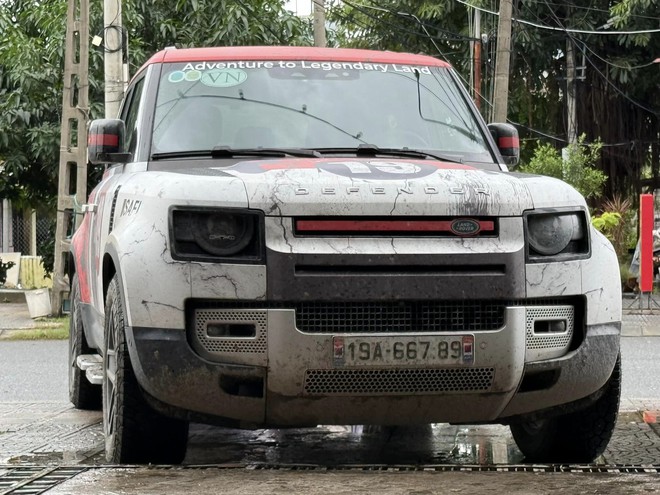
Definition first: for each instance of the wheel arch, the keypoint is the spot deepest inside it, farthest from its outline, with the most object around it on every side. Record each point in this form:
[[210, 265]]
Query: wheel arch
[[110, 268]]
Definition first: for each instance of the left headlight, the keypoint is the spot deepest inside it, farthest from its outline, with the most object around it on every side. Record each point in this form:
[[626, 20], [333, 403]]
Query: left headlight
[[216, 235], [557, 233]]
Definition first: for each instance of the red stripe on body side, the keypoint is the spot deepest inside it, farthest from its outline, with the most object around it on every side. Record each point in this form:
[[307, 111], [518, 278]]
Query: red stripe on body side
[[508, 142], [103, 139]]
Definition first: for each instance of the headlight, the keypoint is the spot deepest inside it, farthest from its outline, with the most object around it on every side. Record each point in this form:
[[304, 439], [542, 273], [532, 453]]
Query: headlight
[[223, 233], [232, 235], [550, 234]]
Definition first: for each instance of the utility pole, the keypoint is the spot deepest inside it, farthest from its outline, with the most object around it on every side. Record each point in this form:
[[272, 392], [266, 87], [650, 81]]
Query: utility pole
[[571, 114], [72, 186], [319, 23], [477, 59], [502, 60], [114, 47]]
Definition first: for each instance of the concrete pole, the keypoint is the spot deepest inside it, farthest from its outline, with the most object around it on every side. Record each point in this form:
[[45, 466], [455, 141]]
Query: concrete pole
[[319, 23], [6, 225], [113, 60], [477, 59], [33, 233], [571, 114], [502, 60]]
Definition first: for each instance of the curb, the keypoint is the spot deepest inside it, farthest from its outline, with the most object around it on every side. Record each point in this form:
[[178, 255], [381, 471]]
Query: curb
[[12, 296], [650, 417]]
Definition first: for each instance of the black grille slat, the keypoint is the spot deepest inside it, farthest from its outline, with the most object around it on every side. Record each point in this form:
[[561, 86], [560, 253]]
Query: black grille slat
[[398, 381], [113, 207], [399, 317]]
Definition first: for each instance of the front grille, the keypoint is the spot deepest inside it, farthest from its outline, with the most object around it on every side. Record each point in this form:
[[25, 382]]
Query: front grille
[[337, 318], [399, 317], [398, 381]]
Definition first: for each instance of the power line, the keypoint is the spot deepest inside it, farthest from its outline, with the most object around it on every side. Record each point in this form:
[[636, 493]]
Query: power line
[[593, 9], [605, 78], [488, 102], [624, 67], [565, 30]]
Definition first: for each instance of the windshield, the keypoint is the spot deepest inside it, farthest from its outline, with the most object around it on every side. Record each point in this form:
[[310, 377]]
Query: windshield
[[314, 105]]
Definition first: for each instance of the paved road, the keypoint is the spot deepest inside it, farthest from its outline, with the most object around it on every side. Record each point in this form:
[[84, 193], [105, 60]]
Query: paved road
[[33, 371]]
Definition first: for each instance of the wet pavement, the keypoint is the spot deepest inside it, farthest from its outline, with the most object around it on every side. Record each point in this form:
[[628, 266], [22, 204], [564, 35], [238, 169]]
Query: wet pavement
[[49, 447]]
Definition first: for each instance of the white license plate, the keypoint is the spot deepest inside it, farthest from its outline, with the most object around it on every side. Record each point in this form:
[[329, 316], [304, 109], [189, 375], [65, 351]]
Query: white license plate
[[403, 351]]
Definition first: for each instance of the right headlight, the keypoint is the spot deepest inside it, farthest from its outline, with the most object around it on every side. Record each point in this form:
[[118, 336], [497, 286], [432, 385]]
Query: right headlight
[[557, 233], [229, 235]]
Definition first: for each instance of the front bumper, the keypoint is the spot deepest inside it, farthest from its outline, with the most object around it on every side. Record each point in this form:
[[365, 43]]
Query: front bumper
[[286, 377]]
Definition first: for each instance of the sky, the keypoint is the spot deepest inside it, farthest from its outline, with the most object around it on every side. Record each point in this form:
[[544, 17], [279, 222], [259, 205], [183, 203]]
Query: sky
[[300, 7]]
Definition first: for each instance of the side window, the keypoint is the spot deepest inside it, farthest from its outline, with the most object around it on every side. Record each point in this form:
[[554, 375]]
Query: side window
[[130, 115]]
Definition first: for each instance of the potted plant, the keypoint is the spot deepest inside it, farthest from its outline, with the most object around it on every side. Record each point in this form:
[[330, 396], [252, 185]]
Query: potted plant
[[4, 267]]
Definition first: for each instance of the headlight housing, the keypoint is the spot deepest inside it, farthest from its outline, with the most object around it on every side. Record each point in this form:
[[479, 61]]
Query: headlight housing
[[210, 234], [557, 234]]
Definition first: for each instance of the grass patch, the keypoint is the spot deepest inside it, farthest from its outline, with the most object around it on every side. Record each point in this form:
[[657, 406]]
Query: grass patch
[[44, 329]]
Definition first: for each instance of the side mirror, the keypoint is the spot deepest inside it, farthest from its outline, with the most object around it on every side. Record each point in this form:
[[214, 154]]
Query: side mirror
[[506, 138], [105, 142]]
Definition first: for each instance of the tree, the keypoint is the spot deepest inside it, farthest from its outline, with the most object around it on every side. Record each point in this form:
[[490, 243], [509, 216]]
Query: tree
[[32, 34], [577, 169], [31, 52], [618, 101]]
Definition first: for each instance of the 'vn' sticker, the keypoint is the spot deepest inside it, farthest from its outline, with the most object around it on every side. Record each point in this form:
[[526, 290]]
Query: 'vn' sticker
[[223, 78]]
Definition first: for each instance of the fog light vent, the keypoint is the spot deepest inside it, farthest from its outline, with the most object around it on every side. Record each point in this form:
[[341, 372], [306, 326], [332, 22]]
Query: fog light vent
[[549, 331], [234, 335]]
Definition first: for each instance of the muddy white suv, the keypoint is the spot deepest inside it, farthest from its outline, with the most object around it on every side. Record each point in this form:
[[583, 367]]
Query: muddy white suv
[[301, 236]]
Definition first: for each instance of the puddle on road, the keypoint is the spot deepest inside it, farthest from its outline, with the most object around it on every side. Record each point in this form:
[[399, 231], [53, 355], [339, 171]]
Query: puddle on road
[[61, 440], [341, 445]]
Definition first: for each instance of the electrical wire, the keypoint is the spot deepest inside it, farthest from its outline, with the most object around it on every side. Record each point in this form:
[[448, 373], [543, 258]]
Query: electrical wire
[[592, 9], [551, 28], [605, 78], [624, 67], [426, 33], [482, 97]]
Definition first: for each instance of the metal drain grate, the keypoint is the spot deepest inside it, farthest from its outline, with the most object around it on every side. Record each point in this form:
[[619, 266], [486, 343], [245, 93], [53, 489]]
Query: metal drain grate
[[505, 468], [34, 480], [508, 468]]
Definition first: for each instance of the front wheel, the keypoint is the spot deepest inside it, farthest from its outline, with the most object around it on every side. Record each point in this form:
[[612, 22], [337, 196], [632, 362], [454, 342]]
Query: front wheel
[[134, 432], [577, 437], [82, 394]]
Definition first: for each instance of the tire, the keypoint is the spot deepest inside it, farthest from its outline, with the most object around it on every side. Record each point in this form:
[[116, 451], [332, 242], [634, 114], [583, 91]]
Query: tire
[[82, 394], [134, 432], [578, 437]]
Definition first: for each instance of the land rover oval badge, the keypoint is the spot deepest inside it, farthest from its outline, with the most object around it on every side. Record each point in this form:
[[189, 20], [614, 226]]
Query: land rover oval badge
[[465, 227]]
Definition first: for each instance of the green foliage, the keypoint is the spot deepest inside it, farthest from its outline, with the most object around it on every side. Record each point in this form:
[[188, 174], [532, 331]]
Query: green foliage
[[32, 34], [577, 170], [31, 49], [44, 329], [606, 223], [617, 223], [183, 23], [4, 267]]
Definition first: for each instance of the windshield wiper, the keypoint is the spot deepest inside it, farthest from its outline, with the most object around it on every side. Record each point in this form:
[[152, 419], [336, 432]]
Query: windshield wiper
[[228, 152], [373, 150]]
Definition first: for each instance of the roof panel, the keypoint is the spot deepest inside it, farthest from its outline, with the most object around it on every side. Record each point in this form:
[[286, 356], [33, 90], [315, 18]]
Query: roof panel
[[292, 53]]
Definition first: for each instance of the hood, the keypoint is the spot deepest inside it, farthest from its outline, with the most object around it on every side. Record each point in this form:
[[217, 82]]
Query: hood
[[378, 187]]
